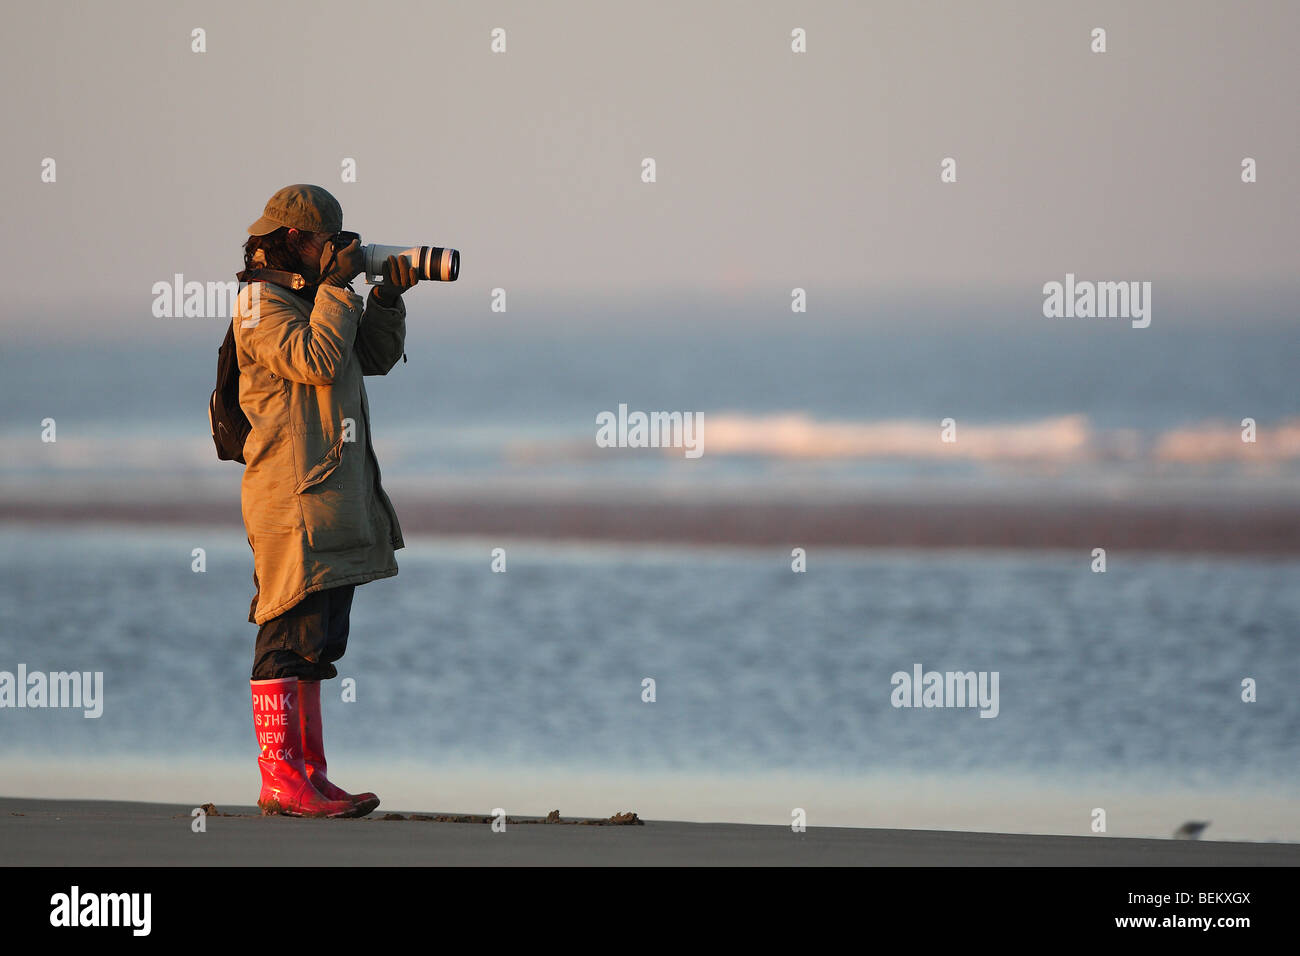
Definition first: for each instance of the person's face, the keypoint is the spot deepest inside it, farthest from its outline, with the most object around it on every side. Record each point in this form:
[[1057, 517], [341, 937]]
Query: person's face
[[312, 245]]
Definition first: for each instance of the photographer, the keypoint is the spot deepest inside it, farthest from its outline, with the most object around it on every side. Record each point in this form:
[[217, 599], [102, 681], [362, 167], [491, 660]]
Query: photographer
[[317, 517]]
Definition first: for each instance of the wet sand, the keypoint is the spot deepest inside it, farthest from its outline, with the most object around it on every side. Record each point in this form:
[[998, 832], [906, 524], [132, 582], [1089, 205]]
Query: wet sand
[[105, 833], [1231, 527]]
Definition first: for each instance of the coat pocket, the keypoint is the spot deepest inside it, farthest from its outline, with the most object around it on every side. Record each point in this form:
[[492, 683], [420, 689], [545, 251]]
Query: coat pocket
[[322, 469], [334, 510]]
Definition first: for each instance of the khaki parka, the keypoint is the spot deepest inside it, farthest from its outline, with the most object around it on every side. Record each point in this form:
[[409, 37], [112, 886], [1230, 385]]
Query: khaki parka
[[315, 511]]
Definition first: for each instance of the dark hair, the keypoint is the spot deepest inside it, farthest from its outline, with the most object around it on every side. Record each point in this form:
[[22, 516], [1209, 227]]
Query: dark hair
[[279, 249]]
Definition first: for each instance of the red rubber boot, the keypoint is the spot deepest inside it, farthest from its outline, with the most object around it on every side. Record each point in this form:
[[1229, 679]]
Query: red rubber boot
[[313, 751], [286, 788]]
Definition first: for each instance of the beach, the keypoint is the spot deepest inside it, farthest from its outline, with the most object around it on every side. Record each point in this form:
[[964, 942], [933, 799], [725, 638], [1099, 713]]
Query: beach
[[91, 833]]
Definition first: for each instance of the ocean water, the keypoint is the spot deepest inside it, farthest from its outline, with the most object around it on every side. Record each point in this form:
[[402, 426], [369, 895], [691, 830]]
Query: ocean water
[[1132, 677], [851, 404]]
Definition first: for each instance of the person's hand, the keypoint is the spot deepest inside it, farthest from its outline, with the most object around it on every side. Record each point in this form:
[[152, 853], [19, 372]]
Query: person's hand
[[399, 276], [347, 264]]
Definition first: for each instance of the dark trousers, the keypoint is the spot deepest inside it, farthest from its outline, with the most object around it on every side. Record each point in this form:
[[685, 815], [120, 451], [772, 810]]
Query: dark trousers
[[305, 640]]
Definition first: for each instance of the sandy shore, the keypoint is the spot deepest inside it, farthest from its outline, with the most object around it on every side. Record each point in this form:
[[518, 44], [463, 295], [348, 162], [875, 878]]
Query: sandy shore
[[1231, 527], [103, 833]]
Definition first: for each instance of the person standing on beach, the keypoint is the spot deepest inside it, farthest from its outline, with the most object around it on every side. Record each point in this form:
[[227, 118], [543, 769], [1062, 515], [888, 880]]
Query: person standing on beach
[[317, 518]]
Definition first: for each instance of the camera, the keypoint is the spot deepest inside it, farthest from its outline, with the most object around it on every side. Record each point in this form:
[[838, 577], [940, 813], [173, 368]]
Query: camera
[[432, 263]]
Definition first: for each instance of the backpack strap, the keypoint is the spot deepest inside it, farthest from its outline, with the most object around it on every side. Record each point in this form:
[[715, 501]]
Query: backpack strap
[[290, 280]]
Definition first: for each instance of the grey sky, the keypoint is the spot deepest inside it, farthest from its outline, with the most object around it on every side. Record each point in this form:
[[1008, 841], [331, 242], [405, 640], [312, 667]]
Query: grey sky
[[774, 169]]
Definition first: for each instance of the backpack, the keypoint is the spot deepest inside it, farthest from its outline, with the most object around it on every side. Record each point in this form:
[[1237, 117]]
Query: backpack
[[226, 419], [229, 424]]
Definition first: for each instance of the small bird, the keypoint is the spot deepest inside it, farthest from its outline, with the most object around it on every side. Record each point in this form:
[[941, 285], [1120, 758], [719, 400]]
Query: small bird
[[1191, 830]]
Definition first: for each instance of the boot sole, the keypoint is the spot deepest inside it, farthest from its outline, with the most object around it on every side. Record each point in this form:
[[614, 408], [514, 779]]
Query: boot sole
[[364, 807], [272, 808]]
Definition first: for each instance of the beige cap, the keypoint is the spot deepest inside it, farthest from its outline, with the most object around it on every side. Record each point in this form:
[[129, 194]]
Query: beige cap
[[309, 208]]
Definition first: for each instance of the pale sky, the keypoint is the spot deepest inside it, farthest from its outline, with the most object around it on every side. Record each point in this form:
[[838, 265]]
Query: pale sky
[[777, 169]]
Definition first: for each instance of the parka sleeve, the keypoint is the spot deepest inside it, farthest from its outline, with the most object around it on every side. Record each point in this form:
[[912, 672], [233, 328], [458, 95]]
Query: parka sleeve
[[312, 350], [382, 337]]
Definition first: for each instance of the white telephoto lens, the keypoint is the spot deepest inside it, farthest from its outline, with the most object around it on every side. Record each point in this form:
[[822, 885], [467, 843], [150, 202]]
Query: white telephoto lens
[[376, 255], [430, 262]]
